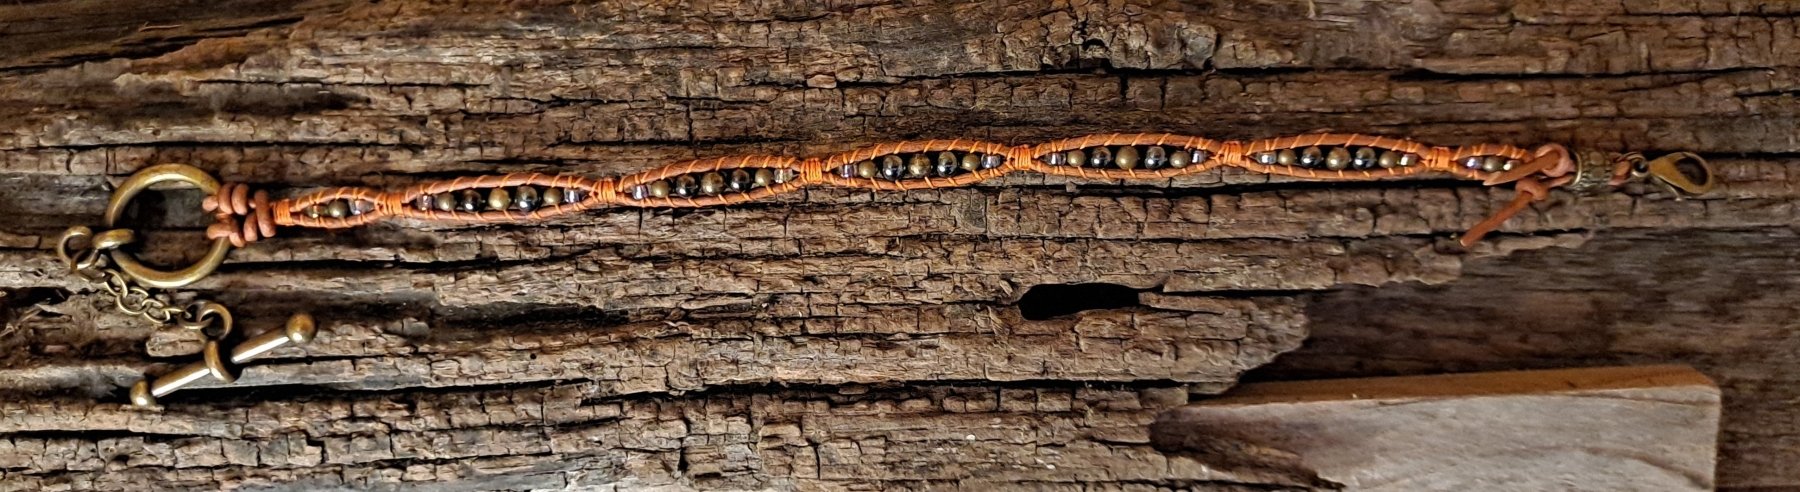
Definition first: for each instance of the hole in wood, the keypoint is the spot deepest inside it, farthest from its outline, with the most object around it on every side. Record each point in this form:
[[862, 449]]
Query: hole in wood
[[1043, 302]]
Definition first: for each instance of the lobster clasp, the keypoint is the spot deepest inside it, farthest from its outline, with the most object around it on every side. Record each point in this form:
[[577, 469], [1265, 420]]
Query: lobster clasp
[[1685, 173], [143, 180]]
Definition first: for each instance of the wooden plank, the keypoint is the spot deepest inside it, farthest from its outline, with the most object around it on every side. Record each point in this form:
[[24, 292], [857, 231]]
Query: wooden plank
[[1614, 428], [838, 339]]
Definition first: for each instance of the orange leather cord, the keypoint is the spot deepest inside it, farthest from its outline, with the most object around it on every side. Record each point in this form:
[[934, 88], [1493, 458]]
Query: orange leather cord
[[245, 217]]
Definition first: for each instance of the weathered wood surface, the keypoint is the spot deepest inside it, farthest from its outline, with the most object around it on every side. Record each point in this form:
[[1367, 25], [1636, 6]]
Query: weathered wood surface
[[1724, 302], [836, 339], [1611, 428]]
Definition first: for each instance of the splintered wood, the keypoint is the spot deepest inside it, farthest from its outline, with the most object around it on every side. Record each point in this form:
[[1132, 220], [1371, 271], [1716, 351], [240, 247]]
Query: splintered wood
[[838, 339], [1623, 428]]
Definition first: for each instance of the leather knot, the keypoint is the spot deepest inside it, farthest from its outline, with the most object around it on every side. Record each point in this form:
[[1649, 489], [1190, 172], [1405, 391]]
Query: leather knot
[[241, 216]]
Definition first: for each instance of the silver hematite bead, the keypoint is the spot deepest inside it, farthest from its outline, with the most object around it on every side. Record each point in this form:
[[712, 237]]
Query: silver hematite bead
[[470, 201], [1363, 158], [1101, 157], [1155, 157], [1312, 158], [525, 198], [740, 181], [712, 183], [946, 165], [893, 167], [992, 161]]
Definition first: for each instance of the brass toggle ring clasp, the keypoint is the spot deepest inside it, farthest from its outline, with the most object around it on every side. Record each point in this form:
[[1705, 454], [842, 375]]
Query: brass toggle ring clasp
[[143, 180]]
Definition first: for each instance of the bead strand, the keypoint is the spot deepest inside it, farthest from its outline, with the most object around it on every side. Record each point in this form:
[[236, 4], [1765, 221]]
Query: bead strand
[[895, 166]]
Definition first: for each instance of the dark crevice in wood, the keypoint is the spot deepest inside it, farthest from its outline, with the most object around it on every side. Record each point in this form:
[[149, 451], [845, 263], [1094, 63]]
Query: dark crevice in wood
[[1042, 302]]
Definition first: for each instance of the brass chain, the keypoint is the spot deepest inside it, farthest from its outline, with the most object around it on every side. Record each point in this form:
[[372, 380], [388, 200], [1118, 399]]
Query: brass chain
[[90, 262]]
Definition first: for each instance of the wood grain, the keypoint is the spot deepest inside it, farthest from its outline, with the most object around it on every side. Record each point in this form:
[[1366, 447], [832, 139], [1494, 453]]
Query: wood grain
[[837, 339], [1612, 428]]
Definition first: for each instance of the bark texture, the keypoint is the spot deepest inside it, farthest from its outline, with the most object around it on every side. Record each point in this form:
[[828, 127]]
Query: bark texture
[[840, 340]]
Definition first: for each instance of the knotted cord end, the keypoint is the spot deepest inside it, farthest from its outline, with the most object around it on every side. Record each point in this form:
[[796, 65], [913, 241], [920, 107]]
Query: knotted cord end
[[235, 200]]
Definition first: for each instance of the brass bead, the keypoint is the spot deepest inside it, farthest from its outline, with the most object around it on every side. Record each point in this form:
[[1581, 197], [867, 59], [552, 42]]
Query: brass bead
[[1337, 159], [1179, 159], [867, 169], [658, 189], [552, 197], [1493, 163], [762, 178], [918, 166], [1077, 157], [1155, 157], [947, 164], [1312, 157], [445, 201], [892, 167], [525, 198], [712, 183], [972, 162], [315, 211], [337, 209], [499, 199], [1126, 157], [1388, 159], [1287, 157]]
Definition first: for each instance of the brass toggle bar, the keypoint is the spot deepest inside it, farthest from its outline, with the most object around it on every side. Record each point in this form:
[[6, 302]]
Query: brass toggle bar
[[300, 329]]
